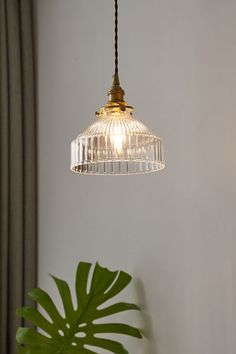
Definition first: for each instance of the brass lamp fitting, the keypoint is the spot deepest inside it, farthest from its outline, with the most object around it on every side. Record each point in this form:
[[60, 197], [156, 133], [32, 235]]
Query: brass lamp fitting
[[116, 93], [116, 100]]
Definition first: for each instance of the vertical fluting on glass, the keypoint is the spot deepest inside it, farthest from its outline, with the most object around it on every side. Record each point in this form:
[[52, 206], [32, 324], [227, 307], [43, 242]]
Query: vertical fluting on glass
[[117, 144]]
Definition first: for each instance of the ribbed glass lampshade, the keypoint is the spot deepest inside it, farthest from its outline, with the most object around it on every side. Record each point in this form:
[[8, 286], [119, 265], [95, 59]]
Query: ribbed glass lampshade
[[116, 144]]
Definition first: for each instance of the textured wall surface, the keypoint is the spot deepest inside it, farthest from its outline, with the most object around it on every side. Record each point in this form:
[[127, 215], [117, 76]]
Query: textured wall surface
[[174, 231]]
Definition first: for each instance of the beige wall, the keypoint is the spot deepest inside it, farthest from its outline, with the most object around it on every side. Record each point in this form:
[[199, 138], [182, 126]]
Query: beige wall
[[174, 230]]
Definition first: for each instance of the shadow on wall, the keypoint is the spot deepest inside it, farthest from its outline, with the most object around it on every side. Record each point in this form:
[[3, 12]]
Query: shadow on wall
[[149, 344]]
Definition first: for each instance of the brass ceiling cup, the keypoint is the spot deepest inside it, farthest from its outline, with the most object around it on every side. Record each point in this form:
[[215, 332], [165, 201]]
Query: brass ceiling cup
[[116, 144]]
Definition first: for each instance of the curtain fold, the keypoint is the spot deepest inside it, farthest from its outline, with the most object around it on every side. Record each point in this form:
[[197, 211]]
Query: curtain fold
[[18, 166]]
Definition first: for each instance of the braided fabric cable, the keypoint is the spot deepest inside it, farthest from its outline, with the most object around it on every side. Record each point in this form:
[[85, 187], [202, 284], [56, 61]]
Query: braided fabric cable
[[116, 36]]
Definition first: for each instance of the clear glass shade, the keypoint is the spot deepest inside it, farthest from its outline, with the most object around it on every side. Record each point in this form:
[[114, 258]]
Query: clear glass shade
[[116, 144]]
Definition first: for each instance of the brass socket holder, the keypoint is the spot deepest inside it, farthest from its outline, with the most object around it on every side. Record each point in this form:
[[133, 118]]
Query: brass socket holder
[[116, 102]]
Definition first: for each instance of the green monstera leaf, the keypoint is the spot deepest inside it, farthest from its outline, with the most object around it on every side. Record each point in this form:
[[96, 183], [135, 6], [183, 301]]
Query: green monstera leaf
[[76, 331]]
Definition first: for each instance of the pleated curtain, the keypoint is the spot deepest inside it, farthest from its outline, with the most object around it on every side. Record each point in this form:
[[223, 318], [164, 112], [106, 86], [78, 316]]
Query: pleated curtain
[[18, 166]]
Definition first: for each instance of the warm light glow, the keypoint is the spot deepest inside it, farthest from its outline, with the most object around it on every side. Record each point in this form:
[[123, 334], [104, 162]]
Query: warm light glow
[[117, 144], [118, 139]]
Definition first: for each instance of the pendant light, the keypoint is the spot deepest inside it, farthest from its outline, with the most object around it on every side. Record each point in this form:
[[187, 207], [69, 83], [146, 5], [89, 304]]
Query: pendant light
[[116, 144]]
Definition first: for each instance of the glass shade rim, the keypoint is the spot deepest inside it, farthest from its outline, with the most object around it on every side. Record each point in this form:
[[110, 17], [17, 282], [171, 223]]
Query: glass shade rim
[[155, 170]]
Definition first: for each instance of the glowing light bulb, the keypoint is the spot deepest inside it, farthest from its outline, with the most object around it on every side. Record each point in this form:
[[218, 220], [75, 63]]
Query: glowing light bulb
[[117, 144]]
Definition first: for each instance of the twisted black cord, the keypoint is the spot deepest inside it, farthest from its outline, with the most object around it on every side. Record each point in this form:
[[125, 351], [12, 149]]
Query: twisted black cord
[[116, 36]]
